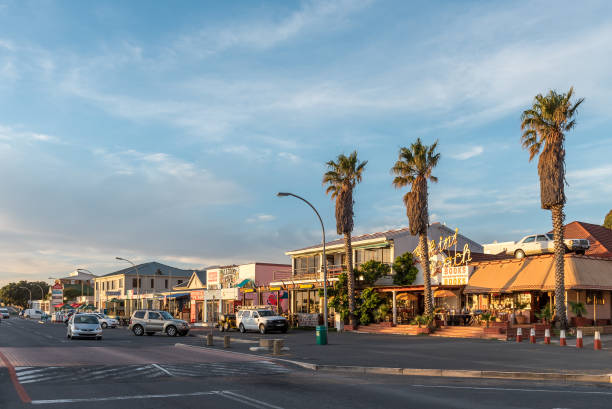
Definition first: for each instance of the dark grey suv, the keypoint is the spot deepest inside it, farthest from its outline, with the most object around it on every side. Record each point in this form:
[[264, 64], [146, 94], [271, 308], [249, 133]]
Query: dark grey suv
[[149, 322]]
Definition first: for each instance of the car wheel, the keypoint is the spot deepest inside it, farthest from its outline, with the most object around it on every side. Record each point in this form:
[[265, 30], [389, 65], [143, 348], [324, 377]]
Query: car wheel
[[241, 328], [104, 325], [262, 329], [138, 330], [150, 333], [171, 331], [519, 254]]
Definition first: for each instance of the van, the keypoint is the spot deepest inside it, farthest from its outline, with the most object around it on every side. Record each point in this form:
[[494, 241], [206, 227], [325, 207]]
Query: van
[[32, 313]]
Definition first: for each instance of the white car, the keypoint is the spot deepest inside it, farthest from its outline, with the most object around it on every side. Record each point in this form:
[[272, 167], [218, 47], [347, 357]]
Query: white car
[[262, 320], [32, 313], [544, 243], [5, 313], [106, 321], [84, 326]]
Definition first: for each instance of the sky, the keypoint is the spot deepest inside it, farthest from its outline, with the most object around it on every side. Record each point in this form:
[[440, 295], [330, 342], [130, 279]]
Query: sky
[[162, 130]]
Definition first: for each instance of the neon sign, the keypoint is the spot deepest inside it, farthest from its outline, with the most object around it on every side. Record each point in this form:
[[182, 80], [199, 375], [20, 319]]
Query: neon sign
[[446, 243]]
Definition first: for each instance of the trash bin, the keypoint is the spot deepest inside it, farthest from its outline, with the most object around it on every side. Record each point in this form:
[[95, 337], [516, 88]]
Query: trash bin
[[321, 335]]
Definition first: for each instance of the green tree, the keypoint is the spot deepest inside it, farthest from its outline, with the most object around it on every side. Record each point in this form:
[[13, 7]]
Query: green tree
[[338, 296], [544, 126], [414, 166], [405, 269], [14, 294], [373, 270], [608, 220], [341, 178], [370, 302]]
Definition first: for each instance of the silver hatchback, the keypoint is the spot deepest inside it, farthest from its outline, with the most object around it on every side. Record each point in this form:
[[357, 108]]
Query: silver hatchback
[[84, 326]]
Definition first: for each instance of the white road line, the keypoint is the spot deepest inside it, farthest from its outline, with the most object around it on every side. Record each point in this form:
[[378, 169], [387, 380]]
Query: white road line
[[512, 389], [162, 369], [247, 400], [110, 398]]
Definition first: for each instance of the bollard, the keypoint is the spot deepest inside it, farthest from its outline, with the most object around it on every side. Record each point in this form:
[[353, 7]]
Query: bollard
[[562, 341], [532, 337], [519, 334], [209, 340], [597, 341], [276, 347], [226, 341], [579, 338], [547, 336]]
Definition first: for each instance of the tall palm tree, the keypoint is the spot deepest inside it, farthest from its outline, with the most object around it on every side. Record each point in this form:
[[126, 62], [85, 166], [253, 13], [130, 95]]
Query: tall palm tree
[[342, 177], [544, 126], [414, 167]]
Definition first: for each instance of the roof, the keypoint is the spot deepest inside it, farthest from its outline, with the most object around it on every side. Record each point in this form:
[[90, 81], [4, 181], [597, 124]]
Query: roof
[[151, 268], [387, 235], [537, 273], [600, 237]]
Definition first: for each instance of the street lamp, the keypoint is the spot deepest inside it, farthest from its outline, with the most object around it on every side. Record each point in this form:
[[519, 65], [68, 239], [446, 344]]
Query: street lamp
[[283, 194], [30, 291], [137, 279]]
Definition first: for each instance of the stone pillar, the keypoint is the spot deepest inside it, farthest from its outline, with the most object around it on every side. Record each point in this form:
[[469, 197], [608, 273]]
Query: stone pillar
[[394, 307]]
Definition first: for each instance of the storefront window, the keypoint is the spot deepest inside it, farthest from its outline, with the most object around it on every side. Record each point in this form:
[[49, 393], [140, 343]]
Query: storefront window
[[524, 298], [595, 297], [307, 302]]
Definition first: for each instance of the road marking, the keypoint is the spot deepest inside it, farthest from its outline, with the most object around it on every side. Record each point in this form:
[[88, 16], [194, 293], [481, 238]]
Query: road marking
[[110, 398], [512, 389], [248, 401], [162, 369], [23, 395]]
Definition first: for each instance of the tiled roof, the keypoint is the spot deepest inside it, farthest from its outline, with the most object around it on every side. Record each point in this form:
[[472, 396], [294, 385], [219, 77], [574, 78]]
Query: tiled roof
[[599, 237], [149, 269]]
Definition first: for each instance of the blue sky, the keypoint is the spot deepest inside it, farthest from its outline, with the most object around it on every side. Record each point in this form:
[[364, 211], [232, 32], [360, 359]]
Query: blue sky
[[162, 130]]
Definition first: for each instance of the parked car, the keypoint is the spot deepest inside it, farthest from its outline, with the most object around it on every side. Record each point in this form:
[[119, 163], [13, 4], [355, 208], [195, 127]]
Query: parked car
[[536, 244], [34, 314], [85, 326], [106, 321], [149, 322], [261, 319], [4, 312], [227, 322]]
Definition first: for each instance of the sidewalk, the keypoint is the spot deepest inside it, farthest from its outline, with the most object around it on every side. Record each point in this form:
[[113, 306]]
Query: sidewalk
[[389, 351]]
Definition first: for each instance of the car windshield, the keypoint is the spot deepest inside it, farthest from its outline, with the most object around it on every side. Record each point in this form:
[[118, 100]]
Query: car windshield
[[550, 236], [166, 315], [85, 319], [265, 313]]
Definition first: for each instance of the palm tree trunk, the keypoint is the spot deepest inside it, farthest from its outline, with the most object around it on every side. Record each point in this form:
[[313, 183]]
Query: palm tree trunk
[[557, 219], [350, 282], [424, 250]]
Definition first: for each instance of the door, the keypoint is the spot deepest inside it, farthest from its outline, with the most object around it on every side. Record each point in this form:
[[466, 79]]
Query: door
[[244, 318], [154, 322], [530, 246], [542, 244], [253, 320]]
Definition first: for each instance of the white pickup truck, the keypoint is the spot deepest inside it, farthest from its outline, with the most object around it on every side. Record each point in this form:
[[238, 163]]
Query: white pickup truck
[[536, 244]]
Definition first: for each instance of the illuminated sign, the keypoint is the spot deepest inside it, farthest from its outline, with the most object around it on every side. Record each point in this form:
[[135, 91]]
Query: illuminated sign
[[306, 285], [275, 288], [459, 258], [456, 275], [247, 290]]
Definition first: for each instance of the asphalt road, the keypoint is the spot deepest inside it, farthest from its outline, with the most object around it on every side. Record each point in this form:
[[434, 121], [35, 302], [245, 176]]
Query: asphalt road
[[39, 365]]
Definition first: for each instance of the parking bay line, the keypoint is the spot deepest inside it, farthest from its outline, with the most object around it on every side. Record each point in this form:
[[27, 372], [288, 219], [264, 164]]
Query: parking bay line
[[488, 388]]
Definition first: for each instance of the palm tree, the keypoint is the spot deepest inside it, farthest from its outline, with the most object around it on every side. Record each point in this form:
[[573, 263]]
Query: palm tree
[[414, 167], [544, 126], [342, 177]]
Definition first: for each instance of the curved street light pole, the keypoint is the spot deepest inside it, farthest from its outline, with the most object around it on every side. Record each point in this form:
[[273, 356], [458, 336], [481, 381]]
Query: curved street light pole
[[137, 280], [283, 194]]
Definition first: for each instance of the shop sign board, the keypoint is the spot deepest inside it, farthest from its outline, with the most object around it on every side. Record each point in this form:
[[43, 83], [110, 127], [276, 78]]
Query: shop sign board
[[456, 275], [113, 293], [212, 277], [197, 295], [247, 290], [306, 285], [275, 288]]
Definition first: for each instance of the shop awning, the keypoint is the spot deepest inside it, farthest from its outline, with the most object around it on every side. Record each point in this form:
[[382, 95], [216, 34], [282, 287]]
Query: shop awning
[[444, 294], [244, 282], [178, 295], [538, 273]]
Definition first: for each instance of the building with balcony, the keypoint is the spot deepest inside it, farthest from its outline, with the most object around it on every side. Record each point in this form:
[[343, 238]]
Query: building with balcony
[[148, 286], [307, 263]]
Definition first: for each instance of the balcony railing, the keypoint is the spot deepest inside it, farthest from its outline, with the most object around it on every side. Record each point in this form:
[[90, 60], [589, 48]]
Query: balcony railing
[[333, 270]]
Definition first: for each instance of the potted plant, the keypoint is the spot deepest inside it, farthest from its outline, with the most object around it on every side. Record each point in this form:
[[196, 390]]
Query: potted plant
[[422, 320], [519, 306], [486, 317], [579, 309], [545, 315]]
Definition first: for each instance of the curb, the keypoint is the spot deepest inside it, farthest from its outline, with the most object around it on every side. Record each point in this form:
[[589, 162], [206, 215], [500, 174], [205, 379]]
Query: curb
[[442, 373]]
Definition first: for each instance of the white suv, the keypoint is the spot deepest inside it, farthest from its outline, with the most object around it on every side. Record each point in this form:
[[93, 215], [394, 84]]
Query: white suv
[[261, 320]]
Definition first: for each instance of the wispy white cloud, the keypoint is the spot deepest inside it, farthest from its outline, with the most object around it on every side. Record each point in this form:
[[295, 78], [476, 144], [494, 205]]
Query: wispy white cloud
[[261, 218], [470, 153]]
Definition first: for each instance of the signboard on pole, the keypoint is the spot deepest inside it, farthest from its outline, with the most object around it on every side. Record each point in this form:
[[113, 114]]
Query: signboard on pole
[[57, 293], [456, 275]]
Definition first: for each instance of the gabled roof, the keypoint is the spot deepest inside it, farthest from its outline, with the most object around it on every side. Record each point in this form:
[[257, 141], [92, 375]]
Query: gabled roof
[[599, 237], [200, 276], [151, 268]]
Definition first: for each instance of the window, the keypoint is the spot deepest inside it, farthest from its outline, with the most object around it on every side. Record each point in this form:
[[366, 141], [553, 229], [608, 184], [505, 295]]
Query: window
[[595, 297], [113, 284], [152, 283], [529, 239], [550, 236], [154, 316], [542, 238], [139, 314], [121, 283], [255, 314], [134, 283], [179, 282], [166, 283], [246, 314], [97, 286]]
